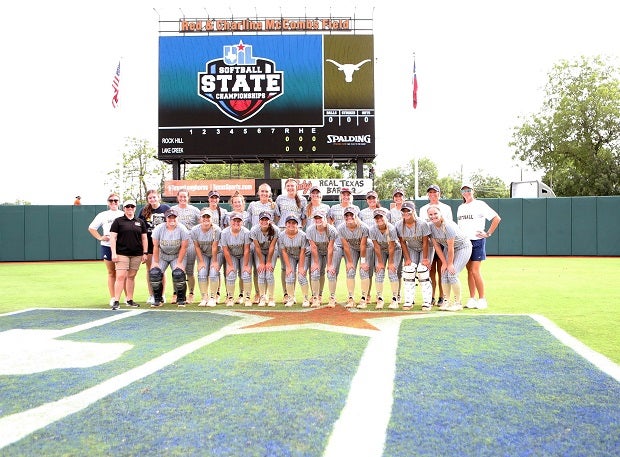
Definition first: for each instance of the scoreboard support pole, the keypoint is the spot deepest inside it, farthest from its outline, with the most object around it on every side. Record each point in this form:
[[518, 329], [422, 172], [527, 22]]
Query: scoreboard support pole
[[360, 167], [267, 169], [176, 170]]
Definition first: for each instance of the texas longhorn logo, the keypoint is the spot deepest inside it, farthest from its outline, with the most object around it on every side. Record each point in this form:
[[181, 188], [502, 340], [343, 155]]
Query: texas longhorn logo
[[239, 84]]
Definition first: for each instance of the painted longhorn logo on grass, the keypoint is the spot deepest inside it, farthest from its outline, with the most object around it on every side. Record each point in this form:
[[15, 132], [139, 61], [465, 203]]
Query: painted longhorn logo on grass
[[239, 84], [348, 68]]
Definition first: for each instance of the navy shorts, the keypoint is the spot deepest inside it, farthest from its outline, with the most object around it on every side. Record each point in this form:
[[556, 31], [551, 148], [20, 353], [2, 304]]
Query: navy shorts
[[478, 250], [106, 253]]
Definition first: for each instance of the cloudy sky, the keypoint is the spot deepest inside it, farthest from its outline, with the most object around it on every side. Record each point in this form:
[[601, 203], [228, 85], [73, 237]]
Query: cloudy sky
[[480, 65]]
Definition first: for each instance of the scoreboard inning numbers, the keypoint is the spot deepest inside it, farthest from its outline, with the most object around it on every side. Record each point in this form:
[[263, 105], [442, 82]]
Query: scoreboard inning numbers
[[307, 97]]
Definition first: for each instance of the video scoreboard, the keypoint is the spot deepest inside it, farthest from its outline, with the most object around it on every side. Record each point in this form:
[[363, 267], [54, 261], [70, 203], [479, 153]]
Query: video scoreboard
[[306, 97]]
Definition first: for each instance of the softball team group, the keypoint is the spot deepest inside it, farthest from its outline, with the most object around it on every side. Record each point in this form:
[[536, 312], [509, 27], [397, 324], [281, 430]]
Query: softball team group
[[222, 255]]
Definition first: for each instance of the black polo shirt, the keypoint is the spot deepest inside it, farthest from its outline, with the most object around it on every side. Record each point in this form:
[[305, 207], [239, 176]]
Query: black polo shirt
[[129, 235]]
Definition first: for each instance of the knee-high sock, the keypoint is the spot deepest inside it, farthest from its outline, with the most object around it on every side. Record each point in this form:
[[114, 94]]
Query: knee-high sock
[[351, 286], [215, 286], [379, 287], [445, 288], [395, 288], [290, 291], [316, 288], [456, 291], [204, 289], [365, 286], [270, 288], [332, 288], [305, 288]]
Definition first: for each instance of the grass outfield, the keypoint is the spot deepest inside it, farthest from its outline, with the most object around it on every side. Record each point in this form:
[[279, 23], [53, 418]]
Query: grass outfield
[[580, 295]]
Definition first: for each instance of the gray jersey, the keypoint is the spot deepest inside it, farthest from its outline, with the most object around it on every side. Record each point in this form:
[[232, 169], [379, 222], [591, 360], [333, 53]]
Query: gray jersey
[[384, 238], [287, 206], [170, 240], [219, 216], [321, 239], [448, 230], [353, 236], [336, 213], [245, 222], [395, 215], [412, 236], [235, 243], [367, 216], [263, 238], [293, 246], [256, 207], [313, 210], [206, 239], [188, 216]]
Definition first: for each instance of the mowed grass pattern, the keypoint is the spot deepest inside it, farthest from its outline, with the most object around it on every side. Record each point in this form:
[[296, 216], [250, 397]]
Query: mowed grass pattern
[[501, 385], [275, 394]]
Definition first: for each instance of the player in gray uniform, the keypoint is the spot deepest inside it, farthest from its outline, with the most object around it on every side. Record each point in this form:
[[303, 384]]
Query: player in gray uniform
[[353, 246], [235, 243], [292, 244], [289, 204], [263, 204], [454, 249], [413, 234], [218, 217], [189, 216], [314, 205], [255, 209], [218, 214], [209, 257], [320, 255], [434, 194], [264, 237], [335, 215], [237, 205], [398, 197], [388, 253], [367, 216], [170, 241]]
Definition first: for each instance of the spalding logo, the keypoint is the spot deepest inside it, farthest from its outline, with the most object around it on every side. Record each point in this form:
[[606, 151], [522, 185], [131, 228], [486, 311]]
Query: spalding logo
[[239, 84]]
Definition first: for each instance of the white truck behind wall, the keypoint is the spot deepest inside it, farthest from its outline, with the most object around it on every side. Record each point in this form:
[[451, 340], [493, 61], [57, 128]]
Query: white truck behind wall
[[530, 189]]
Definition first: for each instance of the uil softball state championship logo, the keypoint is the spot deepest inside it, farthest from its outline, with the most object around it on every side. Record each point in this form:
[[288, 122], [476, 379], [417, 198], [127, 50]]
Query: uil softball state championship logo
[[239, 84]]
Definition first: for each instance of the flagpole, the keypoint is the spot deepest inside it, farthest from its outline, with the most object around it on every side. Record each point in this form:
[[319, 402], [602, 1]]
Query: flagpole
[[415, 105]]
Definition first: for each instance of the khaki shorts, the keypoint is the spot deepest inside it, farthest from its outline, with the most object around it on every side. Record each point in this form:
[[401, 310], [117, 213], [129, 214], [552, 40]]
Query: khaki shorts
[[128, 263]]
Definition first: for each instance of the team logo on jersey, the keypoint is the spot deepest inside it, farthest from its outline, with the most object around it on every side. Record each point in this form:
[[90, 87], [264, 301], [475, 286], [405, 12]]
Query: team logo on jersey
[[239, 84]]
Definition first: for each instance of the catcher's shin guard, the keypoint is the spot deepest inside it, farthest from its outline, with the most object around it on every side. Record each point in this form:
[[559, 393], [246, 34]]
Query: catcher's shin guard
[[409, 283], [156, 277], [179, 280], [425, 284]]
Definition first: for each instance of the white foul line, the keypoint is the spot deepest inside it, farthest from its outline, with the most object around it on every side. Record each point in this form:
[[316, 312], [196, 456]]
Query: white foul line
[[361, 428], [598, 360]]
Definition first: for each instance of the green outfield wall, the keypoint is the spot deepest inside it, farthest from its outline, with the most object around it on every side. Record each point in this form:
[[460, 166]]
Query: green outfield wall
[[576, 226]]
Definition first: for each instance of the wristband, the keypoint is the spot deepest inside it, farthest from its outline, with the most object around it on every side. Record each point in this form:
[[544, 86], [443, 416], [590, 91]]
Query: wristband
[[145, 253], [363, 259]]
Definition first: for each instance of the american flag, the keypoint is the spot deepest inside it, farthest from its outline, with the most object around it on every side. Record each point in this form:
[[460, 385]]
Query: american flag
[[415, 86], [115, 82]]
